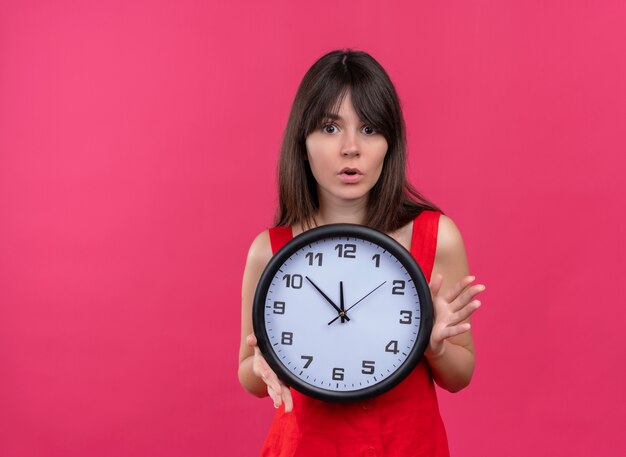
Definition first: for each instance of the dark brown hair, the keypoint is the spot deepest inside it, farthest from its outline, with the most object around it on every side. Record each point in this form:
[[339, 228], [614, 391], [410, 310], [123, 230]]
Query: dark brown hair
[[392, 202]]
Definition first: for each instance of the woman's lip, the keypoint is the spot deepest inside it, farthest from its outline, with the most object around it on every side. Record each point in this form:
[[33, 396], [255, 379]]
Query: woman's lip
[[355, 170], [350, 179]]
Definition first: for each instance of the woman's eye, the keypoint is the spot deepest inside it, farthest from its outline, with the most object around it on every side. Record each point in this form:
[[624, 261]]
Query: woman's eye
[[329, 128], [369, 130]]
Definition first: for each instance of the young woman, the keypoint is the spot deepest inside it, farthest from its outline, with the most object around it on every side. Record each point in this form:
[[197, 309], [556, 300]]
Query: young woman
[[343, 161]]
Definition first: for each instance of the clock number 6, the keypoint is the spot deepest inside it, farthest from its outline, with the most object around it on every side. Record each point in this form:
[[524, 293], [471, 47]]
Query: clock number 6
[[338, 374]]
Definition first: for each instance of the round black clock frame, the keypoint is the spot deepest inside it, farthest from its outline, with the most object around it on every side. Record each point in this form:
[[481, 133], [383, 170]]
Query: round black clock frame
[[343, 231]]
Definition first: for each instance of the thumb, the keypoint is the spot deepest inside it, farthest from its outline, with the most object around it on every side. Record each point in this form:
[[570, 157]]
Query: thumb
[[251, 340]]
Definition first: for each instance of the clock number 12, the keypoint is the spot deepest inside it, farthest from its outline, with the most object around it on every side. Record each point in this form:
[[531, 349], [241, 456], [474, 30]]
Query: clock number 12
[[347, 251]]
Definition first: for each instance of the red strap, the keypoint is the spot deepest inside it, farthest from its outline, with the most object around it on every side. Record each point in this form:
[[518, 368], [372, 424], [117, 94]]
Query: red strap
[[424, 240], [279, 236]]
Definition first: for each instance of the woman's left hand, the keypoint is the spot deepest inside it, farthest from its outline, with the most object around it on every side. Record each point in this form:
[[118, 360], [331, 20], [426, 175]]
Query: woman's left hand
[[451, 308]]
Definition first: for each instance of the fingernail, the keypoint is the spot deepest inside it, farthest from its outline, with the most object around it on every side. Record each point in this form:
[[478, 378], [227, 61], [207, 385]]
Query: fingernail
[[276, 406]]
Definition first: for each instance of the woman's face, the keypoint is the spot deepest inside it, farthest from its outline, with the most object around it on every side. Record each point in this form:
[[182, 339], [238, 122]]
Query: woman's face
[[346, 155]]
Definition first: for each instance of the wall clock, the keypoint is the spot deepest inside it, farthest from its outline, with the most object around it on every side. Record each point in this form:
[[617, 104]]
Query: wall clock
[[342, 313]]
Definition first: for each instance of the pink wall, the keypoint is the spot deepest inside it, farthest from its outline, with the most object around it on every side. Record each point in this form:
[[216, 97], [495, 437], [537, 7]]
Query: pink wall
[[137, 151]]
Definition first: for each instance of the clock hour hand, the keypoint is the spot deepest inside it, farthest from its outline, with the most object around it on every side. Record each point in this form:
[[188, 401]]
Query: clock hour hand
[[339, 310], [358, 301]]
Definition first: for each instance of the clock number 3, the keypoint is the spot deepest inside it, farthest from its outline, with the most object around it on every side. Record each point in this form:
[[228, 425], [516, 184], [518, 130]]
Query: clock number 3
[[406, 316]]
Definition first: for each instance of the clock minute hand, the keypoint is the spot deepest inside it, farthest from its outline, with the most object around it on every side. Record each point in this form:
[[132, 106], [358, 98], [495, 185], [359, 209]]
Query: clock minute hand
[[339, 310], [359, 301], [341, 304]]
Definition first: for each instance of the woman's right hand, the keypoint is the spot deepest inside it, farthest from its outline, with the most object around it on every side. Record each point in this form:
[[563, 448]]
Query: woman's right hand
[[277, 390]]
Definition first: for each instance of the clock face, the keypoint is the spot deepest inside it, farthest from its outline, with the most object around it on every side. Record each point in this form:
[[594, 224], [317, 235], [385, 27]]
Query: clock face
[[342, 313]]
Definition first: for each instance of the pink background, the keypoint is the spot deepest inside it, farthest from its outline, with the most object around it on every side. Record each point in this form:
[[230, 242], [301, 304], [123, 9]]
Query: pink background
[[138, 143]]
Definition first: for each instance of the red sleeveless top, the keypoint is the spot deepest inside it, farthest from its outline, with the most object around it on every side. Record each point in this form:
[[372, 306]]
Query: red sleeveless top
[[402, 422]]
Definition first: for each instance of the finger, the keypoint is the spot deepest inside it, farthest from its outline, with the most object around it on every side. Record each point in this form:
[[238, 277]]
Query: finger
[[276, 398], [269, 377], [287, 399], [455, 330], [467, 295], [464, 313], [435, 284], [454, 291]]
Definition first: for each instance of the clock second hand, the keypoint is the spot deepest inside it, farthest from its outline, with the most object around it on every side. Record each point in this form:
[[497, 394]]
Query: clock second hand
[[341, 312], [359, 301]]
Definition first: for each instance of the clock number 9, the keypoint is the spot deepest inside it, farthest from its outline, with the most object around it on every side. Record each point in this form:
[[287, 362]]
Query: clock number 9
[[294, 281], [347, 251], [338, 374], [398, 287], [279, 307]]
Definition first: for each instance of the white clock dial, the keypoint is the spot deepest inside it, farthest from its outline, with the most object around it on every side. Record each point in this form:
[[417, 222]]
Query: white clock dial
[[341, 314]]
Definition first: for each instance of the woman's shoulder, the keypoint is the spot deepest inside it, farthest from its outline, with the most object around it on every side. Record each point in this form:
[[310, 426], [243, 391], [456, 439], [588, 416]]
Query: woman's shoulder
[[449, 239], [260, 251]]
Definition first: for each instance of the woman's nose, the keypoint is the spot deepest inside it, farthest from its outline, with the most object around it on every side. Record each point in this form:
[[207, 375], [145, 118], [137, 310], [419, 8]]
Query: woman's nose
[[349, 146]]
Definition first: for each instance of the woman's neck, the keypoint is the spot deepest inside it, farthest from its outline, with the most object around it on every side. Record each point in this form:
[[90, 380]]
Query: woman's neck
[[333, 211]]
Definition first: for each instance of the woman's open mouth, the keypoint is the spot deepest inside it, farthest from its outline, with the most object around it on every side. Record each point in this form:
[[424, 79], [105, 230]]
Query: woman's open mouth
[[350, 175]]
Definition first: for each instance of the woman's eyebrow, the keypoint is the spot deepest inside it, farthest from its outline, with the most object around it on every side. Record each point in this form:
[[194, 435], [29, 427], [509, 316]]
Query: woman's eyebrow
[[334, 117]]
